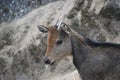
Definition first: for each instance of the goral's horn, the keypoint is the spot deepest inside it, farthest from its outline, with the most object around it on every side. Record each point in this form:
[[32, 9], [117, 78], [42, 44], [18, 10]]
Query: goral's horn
[[59, 23], [56, 25]]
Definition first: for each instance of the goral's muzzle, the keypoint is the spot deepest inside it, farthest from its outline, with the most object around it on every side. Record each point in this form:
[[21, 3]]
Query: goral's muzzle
[[47, 61]]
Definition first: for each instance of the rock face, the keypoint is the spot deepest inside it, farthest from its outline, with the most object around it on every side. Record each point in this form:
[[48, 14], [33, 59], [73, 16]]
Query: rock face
[[22, 45], [14, 9]]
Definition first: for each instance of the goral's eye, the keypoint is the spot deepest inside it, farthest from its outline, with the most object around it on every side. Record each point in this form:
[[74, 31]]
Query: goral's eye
[[59, 42]]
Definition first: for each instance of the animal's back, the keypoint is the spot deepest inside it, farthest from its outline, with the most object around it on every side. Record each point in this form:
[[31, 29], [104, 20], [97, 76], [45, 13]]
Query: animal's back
[[102, 44], [99, 61], [103, 61]]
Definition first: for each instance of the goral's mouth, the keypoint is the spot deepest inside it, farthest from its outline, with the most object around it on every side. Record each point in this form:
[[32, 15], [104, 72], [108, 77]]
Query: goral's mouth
[[50, 65]]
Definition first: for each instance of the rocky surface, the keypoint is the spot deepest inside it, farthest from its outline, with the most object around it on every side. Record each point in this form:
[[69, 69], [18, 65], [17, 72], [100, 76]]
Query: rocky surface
[[22, 45], [14, 9]]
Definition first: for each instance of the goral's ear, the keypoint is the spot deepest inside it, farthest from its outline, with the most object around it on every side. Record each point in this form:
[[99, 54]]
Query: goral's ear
[[65, 28], [42, 28]]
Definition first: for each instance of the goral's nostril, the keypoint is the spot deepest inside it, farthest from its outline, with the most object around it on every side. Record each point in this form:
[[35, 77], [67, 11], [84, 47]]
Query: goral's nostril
[[46, 61]]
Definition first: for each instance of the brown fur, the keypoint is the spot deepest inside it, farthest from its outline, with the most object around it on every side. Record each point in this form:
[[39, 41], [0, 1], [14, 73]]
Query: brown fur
[[52, 35]]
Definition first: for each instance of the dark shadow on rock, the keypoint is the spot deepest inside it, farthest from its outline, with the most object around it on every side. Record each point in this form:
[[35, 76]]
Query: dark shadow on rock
[[112, 10]]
